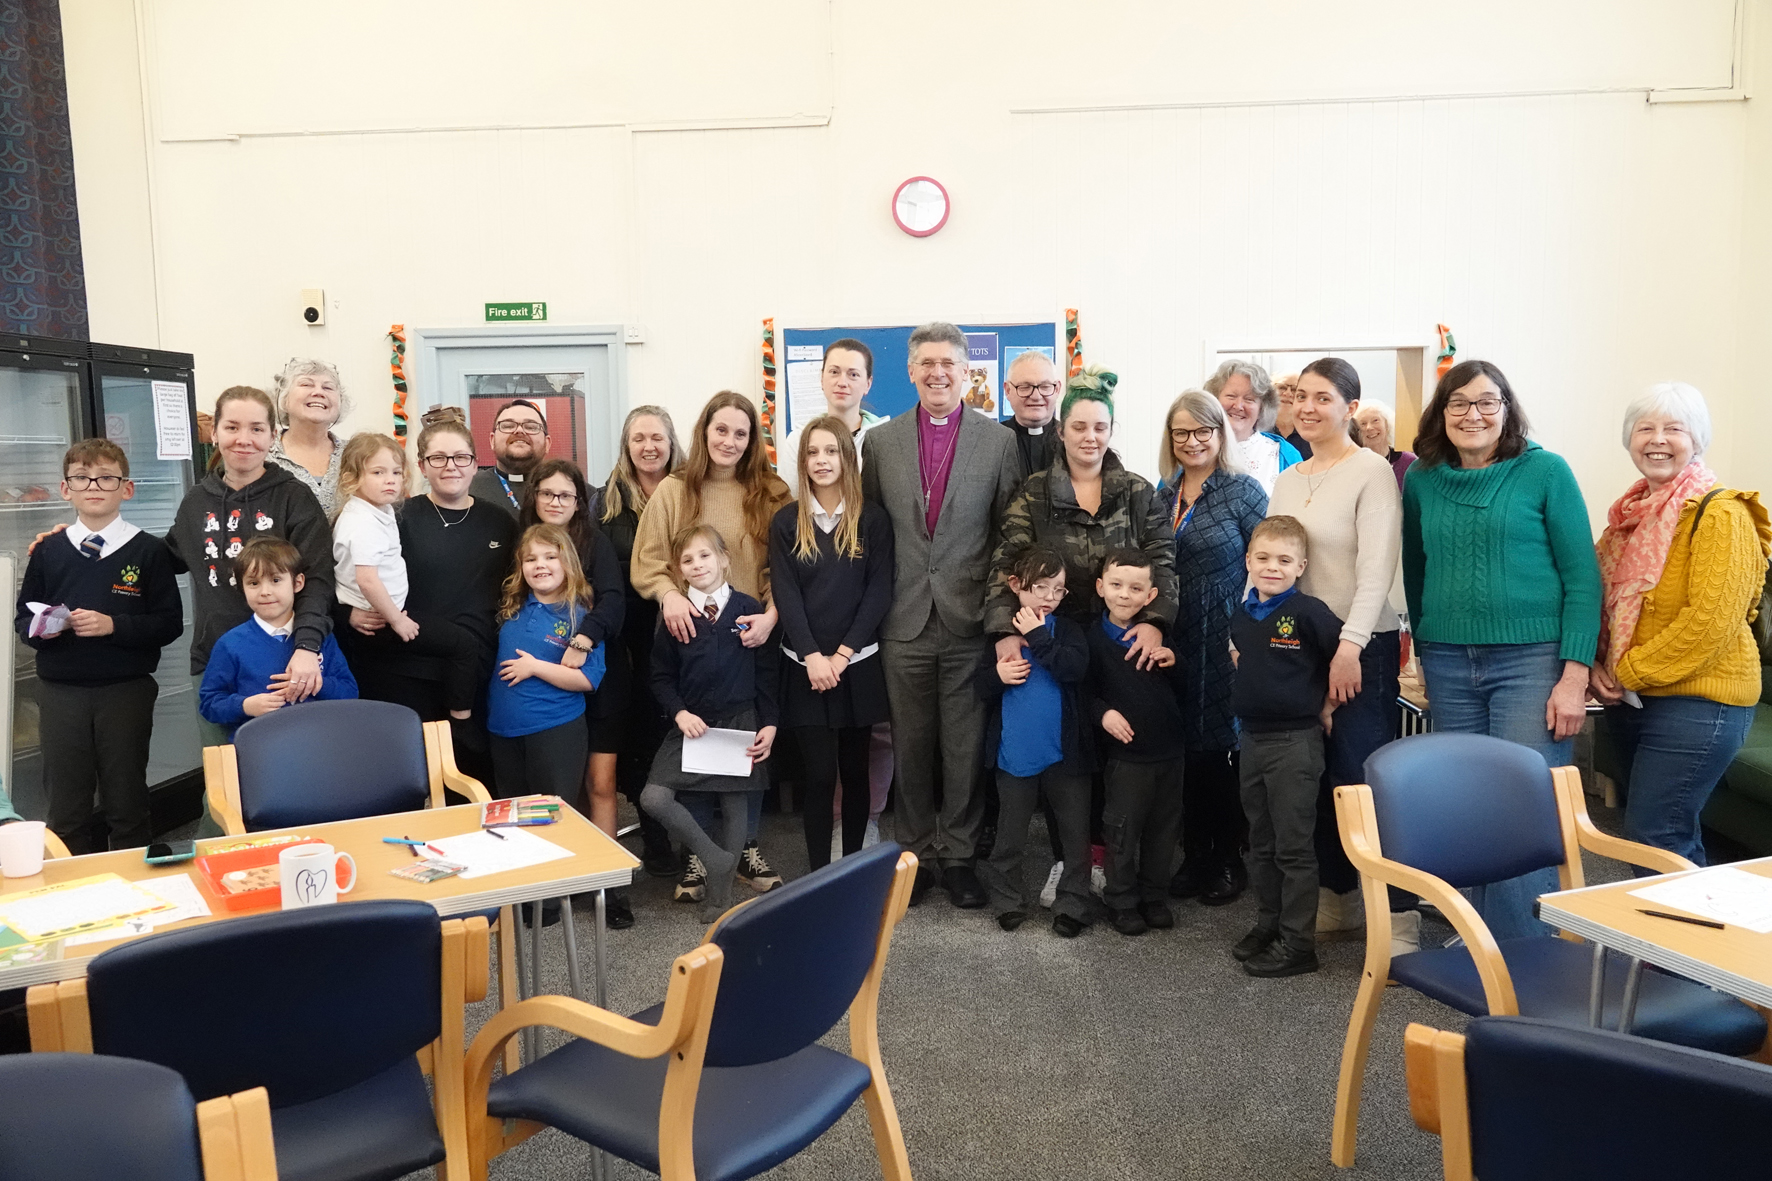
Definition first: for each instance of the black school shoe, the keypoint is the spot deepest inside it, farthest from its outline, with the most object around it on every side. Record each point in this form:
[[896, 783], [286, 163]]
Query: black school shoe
[[1225, 884], [1066, 927], [661, 861], [1156, 916], [1256, 941], [921, 884], [1275, 960], [964, 889], [1010, 920], [618, 913], [550, 912], [1189, 881], [1129, 922]]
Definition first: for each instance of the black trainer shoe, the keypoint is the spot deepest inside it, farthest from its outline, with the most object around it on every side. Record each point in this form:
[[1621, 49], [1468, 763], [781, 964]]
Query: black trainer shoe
[[1129, 922], [1009, 920], [1256, 941], [754, 871], [1156, 916], [1066, 927], [660, 861], [618, 913], [1275, 960], [693, 886]]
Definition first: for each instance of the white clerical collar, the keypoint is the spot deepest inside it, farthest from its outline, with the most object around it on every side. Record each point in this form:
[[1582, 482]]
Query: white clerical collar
[[826, 521], [114, 534], [700, 599], [1036, 430], [279, 632]]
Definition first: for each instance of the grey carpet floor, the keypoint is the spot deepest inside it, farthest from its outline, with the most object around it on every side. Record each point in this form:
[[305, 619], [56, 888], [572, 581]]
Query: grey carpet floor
[[1016, 1057]]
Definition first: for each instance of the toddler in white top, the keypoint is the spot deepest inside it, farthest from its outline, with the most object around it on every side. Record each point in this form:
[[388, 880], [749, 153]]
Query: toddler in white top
[[370, 574]]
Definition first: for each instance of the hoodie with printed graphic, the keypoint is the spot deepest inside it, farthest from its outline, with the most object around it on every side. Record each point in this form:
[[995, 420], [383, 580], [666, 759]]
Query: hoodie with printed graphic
[[215, 522]]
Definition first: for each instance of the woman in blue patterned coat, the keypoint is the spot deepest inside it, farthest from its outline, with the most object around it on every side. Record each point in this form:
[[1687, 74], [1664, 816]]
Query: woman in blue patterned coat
[[1213, 506]]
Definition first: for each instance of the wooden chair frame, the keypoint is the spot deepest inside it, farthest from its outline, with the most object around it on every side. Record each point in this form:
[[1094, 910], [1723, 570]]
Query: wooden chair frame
[[682, 1032], [1358, 822], [221, 778], [234, 1134], [61, 1021], [1433, 1064], [53, 846]]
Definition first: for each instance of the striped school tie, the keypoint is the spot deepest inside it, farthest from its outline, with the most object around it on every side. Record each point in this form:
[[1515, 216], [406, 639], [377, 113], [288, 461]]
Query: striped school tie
[[93, 546]]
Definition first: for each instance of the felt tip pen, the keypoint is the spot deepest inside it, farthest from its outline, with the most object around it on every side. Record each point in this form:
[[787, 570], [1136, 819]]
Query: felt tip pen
[[1682, 918], [494, 831], [408, 842]]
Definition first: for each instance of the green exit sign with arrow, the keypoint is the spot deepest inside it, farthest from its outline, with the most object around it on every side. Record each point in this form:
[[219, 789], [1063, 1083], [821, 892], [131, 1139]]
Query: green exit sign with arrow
[[501, 312]]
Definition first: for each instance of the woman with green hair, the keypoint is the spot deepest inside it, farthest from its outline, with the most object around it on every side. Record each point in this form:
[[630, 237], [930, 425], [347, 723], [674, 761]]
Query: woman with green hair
[[1084, 505]]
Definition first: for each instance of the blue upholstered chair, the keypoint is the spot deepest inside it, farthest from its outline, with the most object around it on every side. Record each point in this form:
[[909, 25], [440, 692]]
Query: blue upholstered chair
[[1506, 1097], [84, 1117], [331, 760], [329, 1008], [1442, 812], [726, 1078]]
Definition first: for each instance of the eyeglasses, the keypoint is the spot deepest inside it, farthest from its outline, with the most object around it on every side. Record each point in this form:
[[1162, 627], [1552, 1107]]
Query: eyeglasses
[[1487, 407], [102, 483], [1201, 434], [931, 365], [1045, 590], [440, 462], [1044, 388], [506, 426], [557, 497]]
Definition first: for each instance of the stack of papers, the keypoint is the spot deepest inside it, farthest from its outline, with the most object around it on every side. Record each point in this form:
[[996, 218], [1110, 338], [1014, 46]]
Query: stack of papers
[[1723, 895], [74, 908], [178, 891]]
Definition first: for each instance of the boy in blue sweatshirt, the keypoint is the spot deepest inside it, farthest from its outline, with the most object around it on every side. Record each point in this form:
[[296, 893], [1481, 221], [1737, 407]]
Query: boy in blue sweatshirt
[[245, 675], [95, 675]]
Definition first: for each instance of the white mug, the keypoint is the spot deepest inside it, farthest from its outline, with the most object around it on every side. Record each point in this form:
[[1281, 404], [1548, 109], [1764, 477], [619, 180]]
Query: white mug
[[21, 848], [310, 875]]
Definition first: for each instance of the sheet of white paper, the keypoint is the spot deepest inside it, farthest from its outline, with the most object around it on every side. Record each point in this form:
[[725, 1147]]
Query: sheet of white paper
[[47, 621], [805, 393], [172, 421], [484, 853], [179, 890], [1723, 894], [57, 911], [718, 752]]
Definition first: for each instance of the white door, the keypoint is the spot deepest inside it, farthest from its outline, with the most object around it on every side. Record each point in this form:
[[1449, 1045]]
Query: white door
[[575, 374]]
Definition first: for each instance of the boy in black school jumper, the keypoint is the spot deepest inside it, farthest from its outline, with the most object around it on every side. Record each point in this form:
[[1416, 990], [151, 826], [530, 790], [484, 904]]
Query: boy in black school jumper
[[1036, 744], [1284, 641], [1144, 752], [95, 677]]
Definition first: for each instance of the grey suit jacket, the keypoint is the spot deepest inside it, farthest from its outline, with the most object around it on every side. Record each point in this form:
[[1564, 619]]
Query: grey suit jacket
[[950, 569]]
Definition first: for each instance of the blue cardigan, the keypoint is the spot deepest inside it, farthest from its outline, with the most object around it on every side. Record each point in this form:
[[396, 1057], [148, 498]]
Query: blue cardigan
[[242, 663], [1210, 575]]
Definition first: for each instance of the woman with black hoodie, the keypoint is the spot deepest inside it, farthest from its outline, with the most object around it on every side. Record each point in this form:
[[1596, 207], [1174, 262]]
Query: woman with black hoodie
[[239, 499]]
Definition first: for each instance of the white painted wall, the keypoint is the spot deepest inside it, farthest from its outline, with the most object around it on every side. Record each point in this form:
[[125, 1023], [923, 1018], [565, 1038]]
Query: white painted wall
[[419, 160]]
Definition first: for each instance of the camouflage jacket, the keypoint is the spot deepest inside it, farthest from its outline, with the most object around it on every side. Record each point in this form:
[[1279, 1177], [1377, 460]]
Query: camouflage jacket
[[1046, 512]]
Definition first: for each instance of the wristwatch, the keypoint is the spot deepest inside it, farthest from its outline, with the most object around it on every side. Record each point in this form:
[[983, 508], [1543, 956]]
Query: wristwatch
[[581, 642]]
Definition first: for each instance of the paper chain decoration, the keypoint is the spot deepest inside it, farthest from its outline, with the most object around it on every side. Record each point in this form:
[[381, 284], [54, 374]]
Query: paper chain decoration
[[397, 363], [1448, 351], [1073, 344], [769, 387]]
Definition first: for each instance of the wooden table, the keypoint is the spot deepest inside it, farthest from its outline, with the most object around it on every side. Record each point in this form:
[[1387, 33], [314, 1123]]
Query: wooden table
[[597, 863], [1733, 960]]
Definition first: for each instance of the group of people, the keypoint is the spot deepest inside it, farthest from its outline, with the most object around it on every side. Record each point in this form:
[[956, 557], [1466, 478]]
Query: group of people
[[988, 618]]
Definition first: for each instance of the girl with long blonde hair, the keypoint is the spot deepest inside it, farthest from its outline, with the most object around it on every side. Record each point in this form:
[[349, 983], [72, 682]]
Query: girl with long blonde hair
[[535, 707], [831, 561]]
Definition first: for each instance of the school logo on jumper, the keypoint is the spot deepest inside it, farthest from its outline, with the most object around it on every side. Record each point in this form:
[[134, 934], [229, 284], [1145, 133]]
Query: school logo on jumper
[[210, 524], [1285, 627], [261, 522], [130, 576]]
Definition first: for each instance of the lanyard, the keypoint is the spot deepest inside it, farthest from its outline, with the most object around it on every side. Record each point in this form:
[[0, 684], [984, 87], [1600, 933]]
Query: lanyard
[[506, 485], [1181, 518]]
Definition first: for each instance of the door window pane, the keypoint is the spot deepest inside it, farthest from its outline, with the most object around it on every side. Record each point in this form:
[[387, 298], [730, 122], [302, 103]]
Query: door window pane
[[561, 397]]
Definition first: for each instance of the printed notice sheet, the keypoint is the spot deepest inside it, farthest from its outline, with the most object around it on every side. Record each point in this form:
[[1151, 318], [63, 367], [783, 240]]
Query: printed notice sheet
[[172, 421], [1723, 894]]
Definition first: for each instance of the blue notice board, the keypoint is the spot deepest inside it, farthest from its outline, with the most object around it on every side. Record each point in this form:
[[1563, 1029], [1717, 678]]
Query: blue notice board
[[993, 347]]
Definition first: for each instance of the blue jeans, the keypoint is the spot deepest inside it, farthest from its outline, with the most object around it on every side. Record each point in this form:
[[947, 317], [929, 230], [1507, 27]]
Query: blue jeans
[[1362, 725], [1675, 749], [1500, 690]]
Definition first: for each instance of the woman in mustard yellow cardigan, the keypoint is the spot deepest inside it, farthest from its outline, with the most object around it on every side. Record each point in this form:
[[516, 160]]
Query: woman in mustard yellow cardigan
[[1684, 563]]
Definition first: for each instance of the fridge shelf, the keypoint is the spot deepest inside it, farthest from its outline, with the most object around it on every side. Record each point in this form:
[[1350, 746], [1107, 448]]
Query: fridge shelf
[[40, 440]]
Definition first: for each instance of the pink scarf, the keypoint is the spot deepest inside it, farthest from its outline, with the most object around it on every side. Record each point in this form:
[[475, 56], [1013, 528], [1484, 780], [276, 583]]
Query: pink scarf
[[1633, 551]]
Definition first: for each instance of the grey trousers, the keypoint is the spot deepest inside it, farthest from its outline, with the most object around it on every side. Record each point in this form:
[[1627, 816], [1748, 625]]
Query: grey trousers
[[95, 741], [1280, 773], [1141, 819], [937, 720], [1017, 799]]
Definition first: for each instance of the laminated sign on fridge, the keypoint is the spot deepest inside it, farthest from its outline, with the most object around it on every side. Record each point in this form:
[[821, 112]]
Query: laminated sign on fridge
[[172, 423]]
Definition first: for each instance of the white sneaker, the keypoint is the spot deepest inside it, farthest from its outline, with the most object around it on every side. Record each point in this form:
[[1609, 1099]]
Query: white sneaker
[[1405, 932], [872, 837], [1340, 916], [1049, 892], [1097, 880], [837, 845]]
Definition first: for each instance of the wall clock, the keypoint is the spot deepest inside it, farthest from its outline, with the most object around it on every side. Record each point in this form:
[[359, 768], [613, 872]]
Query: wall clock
[[920, 206]]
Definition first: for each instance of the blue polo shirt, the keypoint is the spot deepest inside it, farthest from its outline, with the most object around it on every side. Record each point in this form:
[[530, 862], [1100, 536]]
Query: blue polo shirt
[[1033, 722], [532, 705]]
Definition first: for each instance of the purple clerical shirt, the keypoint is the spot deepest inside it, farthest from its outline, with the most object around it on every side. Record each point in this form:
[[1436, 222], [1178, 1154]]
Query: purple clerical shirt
[[936, 443]]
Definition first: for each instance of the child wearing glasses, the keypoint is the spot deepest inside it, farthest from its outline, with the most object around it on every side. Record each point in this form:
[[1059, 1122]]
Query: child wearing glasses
[[1036, 741], [98, 603], [369, 573]]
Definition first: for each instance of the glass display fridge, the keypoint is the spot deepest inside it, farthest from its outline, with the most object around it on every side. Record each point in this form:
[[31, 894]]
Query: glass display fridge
[[144, 401], [53, 392]]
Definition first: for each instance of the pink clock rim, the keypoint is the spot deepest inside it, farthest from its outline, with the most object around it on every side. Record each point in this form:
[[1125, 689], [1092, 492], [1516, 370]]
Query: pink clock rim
[[947, 207]]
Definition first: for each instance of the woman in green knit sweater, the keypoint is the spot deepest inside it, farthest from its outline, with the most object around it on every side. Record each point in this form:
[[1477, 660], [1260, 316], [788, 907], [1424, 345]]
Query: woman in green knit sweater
[[1503, 590]]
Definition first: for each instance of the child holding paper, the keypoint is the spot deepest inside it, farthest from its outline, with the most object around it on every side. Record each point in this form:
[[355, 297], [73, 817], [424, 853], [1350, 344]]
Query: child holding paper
[[95, 673], [535, 709], [713, 682]]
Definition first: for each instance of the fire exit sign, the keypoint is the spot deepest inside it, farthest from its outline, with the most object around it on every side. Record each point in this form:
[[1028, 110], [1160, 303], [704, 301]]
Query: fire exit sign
[[498, 312]]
